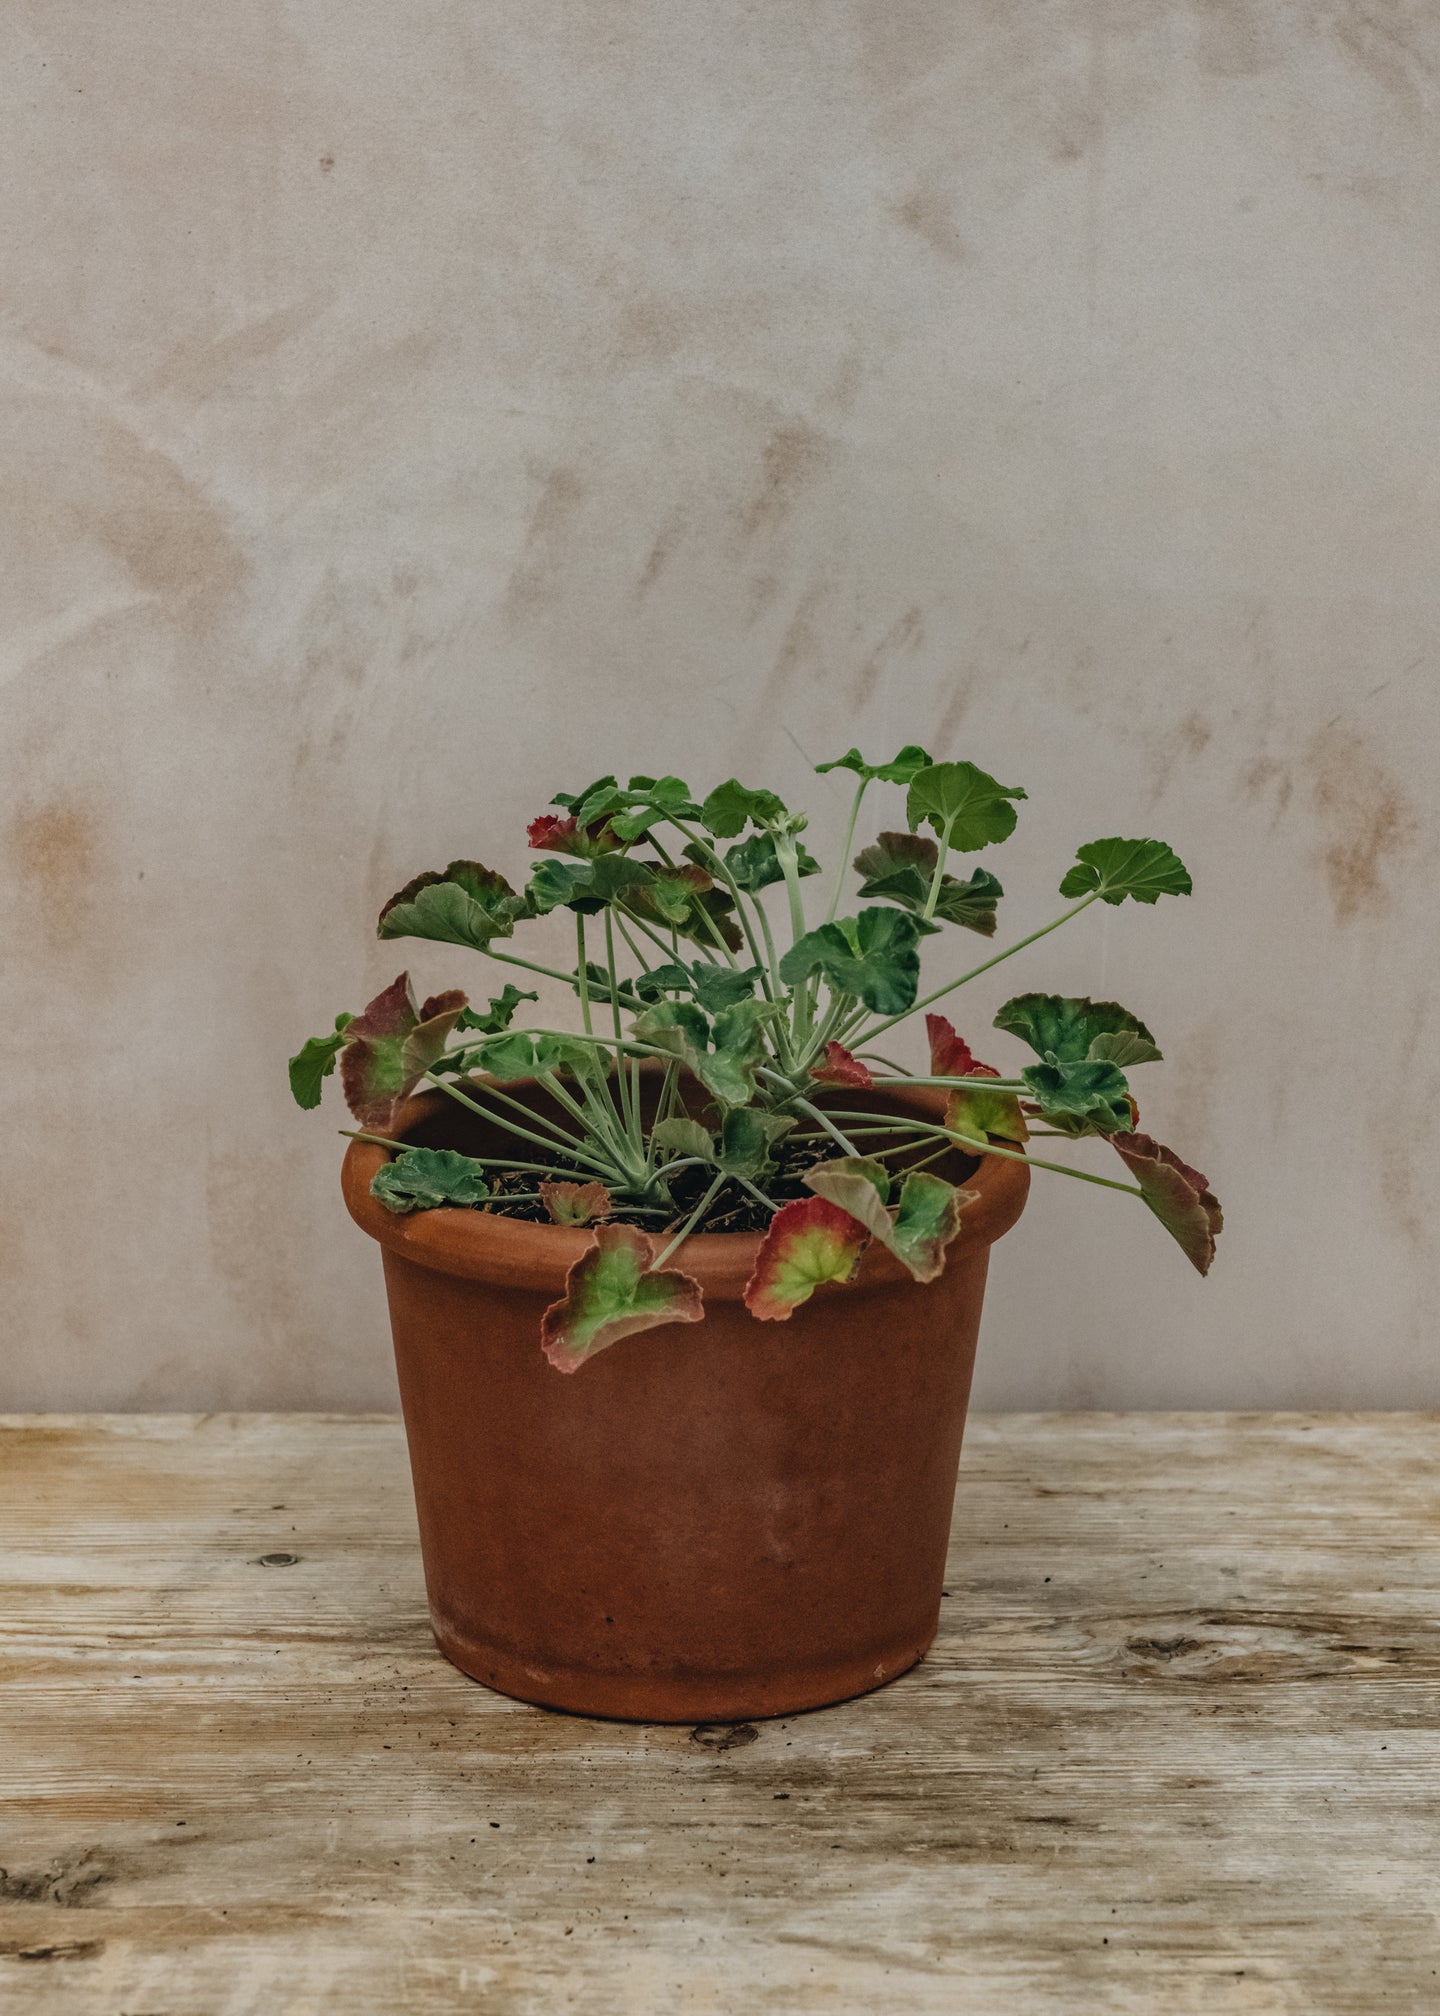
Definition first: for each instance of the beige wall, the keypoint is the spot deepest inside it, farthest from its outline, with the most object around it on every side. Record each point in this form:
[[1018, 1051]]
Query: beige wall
[[412, 408]]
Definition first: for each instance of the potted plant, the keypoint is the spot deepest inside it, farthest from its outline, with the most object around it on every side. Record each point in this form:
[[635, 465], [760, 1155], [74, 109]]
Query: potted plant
[[759, 1241]]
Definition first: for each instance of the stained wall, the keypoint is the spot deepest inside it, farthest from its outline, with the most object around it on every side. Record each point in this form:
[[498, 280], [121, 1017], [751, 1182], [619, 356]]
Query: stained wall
[[410, 410]]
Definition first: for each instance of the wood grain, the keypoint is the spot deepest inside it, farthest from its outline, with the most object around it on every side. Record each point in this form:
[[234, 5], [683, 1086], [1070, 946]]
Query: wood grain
[[1174, 1751]]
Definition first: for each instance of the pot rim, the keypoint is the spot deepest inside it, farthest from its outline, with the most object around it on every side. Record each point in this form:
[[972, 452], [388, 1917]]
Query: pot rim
[[516, 1253]]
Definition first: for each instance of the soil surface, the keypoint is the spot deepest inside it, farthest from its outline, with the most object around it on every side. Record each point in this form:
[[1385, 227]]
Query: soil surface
[[734, 1209]]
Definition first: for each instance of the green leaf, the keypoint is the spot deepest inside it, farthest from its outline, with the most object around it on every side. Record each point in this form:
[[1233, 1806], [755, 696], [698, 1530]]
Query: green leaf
[[746, 1138], [611, 1292], [570, 799], [1124, 1047], [857, 1183], [423, 1178], [1070, 1027], [500, 1014], [1081, 1097], [719, 987], [651, 800], [926, 1220], [519, 1054], [683, 1137], [809, 1242], [468, 904], [923, 1223], [1115, 869], [963, 804], [730, 805], [754, 864], [977, 1114], [1178, 1195], [907, 764], [389, 1048], [576, 1203], [871, 956], [723, 1054], [667, 979], [899, 868], [584, 886], [314, 1061]]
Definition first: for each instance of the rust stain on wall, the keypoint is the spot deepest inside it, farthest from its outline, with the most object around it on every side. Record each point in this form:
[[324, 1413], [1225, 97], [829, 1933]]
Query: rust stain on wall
[[1368, 821], [905, 636], [789, 460], [174, 542], [931, 218], [54, 850], [537, 571]]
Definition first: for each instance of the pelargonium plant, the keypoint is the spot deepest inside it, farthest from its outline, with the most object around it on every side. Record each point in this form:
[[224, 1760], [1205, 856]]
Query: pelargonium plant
[[722, 1081]]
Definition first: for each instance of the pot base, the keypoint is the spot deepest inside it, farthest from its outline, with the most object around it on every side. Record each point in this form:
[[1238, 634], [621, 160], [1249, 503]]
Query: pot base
[[670, 1698]]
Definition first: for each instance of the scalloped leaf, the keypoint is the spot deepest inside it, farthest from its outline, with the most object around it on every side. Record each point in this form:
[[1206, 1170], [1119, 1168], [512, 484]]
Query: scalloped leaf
[[899, 868], [1179, 1196], [585, 886], [1066, 1026], [1124, 1048], [1115, 869], [651, 800], [683, 898], [611, 1292], [747, 1135], [1081, 1097], [501, 1012], [389, 1048], [575, 1203], [927, 1218], [950, 1055], [840, 1067], [964, 804], [723, 1053], [684, 1137], [423, 1179], [899, 770], [314, 1061], [567, 835], [754, 864], [978, 1114], [732, 804], [467, 904], [871, 956], [719, 987], [810, 1241], [521, 1054], [919, 1228]]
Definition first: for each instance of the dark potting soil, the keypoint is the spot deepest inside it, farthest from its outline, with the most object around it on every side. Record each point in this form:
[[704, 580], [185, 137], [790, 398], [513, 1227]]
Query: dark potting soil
[[734, 1209]]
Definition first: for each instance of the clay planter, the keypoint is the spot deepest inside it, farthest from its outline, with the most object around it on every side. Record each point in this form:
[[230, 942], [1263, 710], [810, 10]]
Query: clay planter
[[707, 1522]]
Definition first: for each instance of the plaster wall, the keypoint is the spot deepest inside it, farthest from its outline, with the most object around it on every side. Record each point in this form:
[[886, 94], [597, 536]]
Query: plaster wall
[[412, 409]]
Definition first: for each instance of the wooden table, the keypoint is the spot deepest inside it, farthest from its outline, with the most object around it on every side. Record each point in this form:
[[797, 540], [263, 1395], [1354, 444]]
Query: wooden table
[[1174, 1751]]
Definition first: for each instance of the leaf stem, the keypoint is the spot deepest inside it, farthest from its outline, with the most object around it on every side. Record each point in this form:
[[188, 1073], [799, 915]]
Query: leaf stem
[[879, 1028], [845, 851], [691, 1222]]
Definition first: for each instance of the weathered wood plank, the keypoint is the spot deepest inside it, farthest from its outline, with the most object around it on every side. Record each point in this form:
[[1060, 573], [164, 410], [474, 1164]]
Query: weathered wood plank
[[1176, 1749]]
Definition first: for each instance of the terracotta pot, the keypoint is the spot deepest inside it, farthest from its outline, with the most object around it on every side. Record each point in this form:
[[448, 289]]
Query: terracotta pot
[[706, 1523]]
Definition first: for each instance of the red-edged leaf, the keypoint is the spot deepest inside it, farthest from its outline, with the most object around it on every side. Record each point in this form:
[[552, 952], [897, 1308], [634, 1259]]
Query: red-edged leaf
[[1177, 1194], [950, 1055], [565, 835], [840, 1068], [576, 1203], [977, 1114], [810, 1241], [924, 1221], [390, 1047], [611, 1292]]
